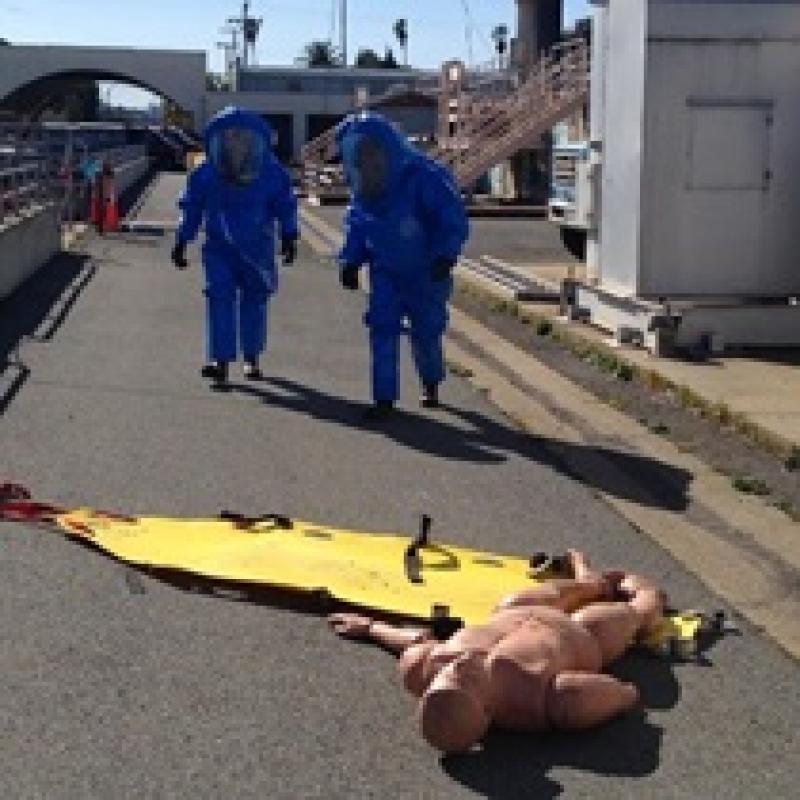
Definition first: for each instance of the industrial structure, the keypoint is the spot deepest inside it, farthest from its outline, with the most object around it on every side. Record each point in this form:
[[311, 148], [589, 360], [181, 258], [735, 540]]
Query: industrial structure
[[694, 174]]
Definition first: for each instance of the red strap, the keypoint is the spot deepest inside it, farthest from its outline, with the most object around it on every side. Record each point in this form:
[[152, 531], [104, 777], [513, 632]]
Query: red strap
[[28, 511], [16, 505]]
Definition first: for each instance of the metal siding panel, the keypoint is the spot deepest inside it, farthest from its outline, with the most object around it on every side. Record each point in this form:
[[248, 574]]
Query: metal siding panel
[[622, 173]]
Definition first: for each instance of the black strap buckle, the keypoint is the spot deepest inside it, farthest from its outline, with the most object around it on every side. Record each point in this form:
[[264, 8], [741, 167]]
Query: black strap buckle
[[443, 625], [244, 522]]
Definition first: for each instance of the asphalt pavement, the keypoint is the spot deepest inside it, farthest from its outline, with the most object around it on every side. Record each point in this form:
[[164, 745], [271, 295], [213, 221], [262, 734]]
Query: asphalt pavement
[[522, 241], [117, 685]]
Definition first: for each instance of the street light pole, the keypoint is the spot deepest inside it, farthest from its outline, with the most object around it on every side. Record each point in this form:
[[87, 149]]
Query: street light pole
[[343, 27]]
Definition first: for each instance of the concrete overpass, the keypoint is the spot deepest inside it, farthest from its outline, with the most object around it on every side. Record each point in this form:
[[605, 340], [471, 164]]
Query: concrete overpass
[[179, 76]]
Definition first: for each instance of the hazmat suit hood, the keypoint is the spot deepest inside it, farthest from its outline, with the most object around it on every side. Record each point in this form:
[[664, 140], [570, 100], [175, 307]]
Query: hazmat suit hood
[[374, 155], [239, 145]]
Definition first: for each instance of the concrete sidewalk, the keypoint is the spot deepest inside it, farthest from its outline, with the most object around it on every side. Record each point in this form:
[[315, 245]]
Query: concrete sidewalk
[[764, 388], [116, 685]]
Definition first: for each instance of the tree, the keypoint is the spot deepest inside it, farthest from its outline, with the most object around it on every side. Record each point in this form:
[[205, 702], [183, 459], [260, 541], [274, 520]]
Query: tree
[[368, 59], [320, 54], [389, 61]]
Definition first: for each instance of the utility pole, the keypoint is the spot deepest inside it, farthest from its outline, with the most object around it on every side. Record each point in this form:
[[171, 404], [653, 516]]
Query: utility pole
[[343, 30], [400, 29], [250, 27]]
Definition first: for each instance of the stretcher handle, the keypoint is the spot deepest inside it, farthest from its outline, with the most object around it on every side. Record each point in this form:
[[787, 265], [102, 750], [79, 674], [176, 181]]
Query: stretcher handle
[[413, 563], [242, 521], [423, 537]]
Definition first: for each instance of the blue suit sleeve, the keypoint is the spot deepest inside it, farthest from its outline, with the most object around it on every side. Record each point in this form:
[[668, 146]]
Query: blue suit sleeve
[[192, 204], [354, 250], [444, 213], [286, 207]]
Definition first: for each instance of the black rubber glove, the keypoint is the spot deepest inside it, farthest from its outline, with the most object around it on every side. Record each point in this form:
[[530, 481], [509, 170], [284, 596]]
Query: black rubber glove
[[349, 278], [289, 250], [179, 255], [442, 268]]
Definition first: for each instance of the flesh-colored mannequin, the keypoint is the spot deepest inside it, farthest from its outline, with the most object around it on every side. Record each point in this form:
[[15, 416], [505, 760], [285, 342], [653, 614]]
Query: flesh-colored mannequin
[[536, 665]]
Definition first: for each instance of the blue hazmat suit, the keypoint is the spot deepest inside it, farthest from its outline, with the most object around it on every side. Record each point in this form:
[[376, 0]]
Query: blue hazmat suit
[[241, 190], [406, 215]]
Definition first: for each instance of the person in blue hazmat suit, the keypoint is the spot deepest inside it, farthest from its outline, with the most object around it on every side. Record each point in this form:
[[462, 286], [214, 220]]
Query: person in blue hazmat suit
[[241, 191], [407, 221]]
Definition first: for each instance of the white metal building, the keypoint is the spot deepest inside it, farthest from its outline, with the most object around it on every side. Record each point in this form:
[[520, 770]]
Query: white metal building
[[696, 134]]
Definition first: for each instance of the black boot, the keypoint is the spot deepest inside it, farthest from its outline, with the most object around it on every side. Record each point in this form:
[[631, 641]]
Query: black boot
[[430, 395], [380, 412], [252, 372], [217, 371]]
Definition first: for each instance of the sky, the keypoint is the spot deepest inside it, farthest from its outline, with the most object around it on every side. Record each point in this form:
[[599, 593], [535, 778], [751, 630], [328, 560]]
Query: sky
[[437, 28]]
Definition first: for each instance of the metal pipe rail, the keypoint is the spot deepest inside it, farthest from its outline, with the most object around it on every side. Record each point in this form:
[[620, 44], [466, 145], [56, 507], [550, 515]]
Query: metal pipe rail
[[22, 188], [34, 173]]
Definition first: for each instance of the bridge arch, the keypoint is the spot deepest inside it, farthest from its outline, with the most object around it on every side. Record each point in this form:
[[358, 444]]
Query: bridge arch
[[179, 76]]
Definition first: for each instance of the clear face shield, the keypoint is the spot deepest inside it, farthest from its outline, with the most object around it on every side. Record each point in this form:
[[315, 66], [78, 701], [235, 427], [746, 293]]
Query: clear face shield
[[238, 154], [368, 167]]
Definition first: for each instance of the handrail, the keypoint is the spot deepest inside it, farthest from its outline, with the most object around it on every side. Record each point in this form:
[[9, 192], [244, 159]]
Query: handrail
[[320, 150], [22, 187]]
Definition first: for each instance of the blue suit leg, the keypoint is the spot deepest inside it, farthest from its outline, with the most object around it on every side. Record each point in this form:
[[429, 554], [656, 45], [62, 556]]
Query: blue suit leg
[[384, 318], [220, 291], [428, 313], [253, 312]]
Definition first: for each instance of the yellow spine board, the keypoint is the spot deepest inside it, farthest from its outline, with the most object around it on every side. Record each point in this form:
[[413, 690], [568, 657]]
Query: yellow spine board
[[367, 570]]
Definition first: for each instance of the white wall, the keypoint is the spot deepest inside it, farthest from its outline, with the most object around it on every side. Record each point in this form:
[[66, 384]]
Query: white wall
[[712, 222], [623, 144], [701, 176], [26, 245]]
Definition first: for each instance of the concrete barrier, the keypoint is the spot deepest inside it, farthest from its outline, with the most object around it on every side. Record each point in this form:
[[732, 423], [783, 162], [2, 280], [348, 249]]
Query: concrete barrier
[[30, 240], [26, 243]]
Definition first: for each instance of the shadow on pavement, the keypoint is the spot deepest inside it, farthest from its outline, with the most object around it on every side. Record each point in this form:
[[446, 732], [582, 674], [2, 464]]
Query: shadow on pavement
[[628, 476], [35, 312], [514, 766]]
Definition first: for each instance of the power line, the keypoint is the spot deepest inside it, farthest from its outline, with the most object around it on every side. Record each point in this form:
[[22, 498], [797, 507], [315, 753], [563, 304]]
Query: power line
[[469, 32]]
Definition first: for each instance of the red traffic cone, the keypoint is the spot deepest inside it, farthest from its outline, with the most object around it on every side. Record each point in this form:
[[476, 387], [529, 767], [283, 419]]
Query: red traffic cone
[[94, 208], [111, 221]]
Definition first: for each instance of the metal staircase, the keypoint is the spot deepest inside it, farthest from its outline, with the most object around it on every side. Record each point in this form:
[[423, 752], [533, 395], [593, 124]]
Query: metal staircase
[[488, 131], [320, 151], [490, 124]]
